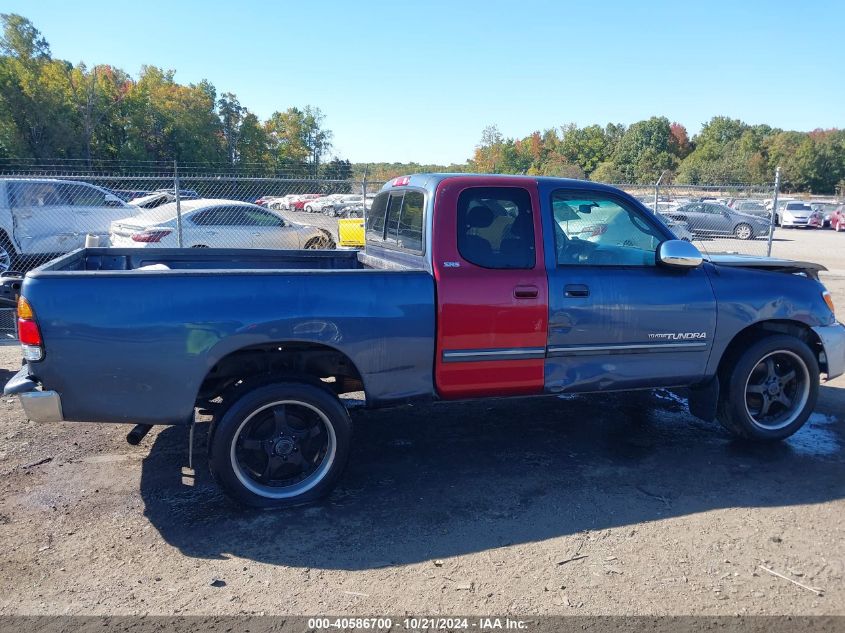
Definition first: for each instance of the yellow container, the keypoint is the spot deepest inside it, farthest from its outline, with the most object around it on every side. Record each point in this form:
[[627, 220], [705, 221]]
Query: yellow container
[[350, 232]]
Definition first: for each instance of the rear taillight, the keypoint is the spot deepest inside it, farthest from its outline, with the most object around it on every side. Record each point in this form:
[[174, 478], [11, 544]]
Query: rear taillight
[[28, 332], [151, 236]]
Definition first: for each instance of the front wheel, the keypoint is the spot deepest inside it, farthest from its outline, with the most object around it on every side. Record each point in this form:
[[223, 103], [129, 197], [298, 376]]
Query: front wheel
[[744, 231], [770, 390], [280, 445]]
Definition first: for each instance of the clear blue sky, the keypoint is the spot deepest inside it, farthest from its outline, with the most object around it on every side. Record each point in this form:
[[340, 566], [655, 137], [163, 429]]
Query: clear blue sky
[[418, 81]]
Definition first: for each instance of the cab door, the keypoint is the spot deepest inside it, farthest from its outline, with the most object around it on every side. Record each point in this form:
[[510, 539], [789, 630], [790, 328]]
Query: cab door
[[43, 219], [492, 300], [618, 319]]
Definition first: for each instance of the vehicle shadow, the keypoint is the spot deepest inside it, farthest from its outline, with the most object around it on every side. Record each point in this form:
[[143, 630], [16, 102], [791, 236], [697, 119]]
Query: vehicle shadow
[[429, 482]]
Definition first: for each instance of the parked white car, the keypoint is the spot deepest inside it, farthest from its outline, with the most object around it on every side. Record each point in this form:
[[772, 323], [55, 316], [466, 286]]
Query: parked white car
[[333, 207], [798, 214], [41, 218], [318, 205], [210, 223], [283, 203]]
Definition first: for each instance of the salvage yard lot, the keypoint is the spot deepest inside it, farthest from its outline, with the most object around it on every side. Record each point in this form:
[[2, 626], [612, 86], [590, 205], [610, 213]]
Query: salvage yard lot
[[613, 504]]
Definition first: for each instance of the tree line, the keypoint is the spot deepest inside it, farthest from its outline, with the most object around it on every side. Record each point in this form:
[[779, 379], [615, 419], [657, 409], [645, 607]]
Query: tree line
[[726, 150], [52, 109]]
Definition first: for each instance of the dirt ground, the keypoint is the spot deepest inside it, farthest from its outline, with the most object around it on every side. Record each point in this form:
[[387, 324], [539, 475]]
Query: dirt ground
[[621, 504]]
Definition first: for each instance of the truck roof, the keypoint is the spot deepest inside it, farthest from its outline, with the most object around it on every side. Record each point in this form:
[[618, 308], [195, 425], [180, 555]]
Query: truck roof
[[429, 181]]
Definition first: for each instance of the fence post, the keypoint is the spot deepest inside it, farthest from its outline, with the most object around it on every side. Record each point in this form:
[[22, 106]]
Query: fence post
[[364, 193], [657, 189], [178, 204], [774, 212]]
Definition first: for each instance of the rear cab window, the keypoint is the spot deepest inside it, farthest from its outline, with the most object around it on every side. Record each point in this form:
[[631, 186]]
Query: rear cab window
[[496, 227], [396, 220]]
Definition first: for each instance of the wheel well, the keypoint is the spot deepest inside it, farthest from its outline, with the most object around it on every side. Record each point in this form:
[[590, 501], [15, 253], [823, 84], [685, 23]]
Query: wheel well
[[755, 332], [272, 362]]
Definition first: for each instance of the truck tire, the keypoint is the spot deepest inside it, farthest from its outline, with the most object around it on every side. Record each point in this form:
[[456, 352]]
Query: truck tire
[[280, 445], [770, 389]]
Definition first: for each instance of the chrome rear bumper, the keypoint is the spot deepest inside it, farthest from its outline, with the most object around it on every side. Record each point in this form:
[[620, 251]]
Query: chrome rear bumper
[[42, 406], [833, 342], [38, 405]]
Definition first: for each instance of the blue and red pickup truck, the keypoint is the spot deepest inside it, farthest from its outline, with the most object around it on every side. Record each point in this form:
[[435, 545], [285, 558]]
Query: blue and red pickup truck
[[470, 286]]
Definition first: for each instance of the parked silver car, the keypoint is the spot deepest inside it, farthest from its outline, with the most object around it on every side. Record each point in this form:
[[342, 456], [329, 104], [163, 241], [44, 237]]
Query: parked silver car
[[712, 219]]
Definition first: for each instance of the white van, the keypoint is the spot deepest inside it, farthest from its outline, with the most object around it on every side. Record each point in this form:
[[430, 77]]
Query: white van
[[41, 218]]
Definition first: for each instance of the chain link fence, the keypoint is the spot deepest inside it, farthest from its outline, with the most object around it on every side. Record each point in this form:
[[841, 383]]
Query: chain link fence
[[51, 210], [724, 218], [48, 210]]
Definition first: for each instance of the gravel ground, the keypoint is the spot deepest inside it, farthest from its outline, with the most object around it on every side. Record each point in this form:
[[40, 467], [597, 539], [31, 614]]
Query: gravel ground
[[620, 504]]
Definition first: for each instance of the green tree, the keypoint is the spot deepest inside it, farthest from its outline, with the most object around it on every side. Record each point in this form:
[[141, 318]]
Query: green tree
[[22, 40], [35, 95], [489, 153], [298, 141], [643, 151], [608, 172], [231, 114], [253, 144]]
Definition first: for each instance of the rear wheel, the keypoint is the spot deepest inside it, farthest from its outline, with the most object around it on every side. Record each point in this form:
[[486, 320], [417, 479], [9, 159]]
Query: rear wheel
[[281, 445], [771, 389], [744, 231]]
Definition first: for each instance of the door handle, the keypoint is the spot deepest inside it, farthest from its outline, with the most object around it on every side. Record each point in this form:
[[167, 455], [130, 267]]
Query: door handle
[[526, 292], [576, 290]]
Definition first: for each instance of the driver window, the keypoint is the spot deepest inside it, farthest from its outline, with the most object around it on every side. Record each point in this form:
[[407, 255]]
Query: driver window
[[597, 230]]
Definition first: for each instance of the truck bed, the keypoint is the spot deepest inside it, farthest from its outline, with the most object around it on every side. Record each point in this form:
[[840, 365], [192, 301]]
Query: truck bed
[[197, 259], [130, 334]]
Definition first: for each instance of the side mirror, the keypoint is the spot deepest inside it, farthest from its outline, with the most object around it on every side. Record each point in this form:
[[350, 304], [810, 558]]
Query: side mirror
[[112, 200], [678, 254]]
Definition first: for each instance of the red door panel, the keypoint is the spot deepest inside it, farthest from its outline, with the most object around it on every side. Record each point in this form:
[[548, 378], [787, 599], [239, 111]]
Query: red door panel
[[492, 323]]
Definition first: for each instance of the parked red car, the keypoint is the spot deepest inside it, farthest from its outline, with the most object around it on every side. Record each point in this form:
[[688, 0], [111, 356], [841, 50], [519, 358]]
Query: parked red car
[[299, 204], [837, 219]]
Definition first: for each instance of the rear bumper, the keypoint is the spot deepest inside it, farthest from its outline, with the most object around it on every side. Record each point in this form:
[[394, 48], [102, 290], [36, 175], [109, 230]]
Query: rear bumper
[[38, 405], [833, 342]]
